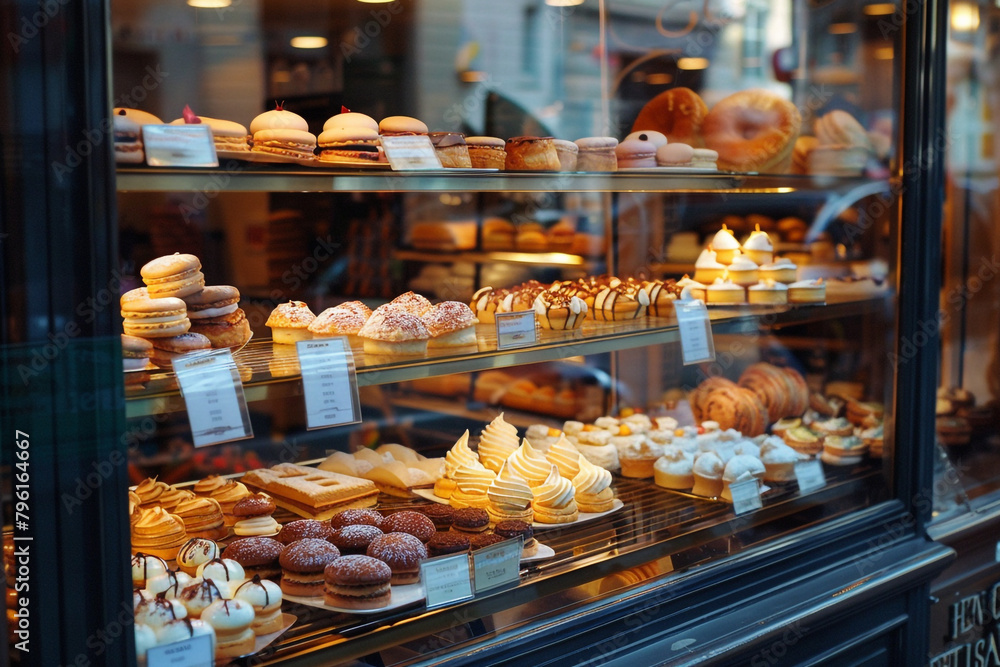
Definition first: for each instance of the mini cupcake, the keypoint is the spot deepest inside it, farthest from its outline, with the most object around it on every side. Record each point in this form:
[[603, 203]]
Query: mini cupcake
[[707, 472], [675, 469], [637, 460]]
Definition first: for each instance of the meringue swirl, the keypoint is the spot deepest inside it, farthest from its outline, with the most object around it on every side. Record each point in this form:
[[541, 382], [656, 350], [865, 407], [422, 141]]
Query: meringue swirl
[[565, 456], [530, 464], [497, 442], [556, 492], [592, 479], [472, 481], [459, 453], [509, 491]]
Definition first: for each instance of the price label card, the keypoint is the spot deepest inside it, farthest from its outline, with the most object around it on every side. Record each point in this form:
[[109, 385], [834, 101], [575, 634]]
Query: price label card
[[447, 579], [410, 153], [810, 475], [194, 652], [213, 393], [697, 344], [329, 382], [516, 329], [497, 565], [179, 146], [746, 496]]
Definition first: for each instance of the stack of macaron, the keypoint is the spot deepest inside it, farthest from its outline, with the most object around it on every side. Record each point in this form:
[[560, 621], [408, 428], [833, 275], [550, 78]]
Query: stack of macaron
[[127, 125], [284, 133], [178, 314]]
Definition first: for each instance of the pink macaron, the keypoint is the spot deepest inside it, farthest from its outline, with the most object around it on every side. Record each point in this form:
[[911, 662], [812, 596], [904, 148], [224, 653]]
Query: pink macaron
[[637, 151]]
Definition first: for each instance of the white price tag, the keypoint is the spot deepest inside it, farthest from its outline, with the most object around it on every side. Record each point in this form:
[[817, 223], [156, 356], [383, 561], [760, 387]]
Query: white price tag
[[195, 652], [410, 153], [179, 146], [213, 395], [497, 565], [695, 329], [516, 329], [329, 383], [447, 579], [746, 496], [810, 475]]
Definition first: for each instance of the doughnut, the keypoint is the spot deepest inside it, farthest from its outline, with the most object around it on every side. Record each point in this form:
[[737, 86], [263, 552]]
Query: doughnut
[[402, 552], [357, 516], [357, 582], [413, 523], [302, 566], [299, 530], [753, 130], [354, 539], [448, 543], [677, 113], [258, 556]]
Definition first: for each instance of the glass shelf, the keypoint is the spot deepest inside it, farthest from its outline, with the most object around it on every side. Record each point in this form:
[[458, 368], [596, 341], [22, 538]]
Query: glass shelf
[[235, 176], [274, 372]]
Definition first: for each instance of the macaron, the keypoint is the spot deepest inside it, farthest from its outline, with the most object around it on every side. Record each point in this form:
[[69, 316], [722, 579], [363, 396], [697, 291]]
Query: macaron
[[174, 275], [637, 152], [401, 126], [656, 138], [282, 132], [357, 582], [146, 317], [596, 154], [165, 350], [135, 352], [227, 135], [347, 118], [215, 313], [674, 155], [128, 139], [137, 115], [349, 143]]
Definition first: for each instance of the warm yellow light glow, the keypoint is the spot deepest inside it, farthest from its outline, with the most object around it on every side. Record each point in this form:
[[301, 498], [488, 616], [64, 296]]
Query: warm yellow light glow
[[880, 9], [659, 79], [209, 4], [563, 3], [308, 42], [473, 76], [884, 53], [692, 63], [374, 2], [842, 28], [964, 17]]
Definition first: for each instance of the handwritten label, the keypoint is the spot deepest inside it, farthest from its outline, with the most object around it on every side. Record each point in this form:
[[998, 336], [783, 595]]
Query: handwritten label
[[447, 579], [213, 394], [329, 383], [697, 344], [194, 652], [516, 329], [746, 496], [179, 146], [497, 565], [810, 475], [410, 153]]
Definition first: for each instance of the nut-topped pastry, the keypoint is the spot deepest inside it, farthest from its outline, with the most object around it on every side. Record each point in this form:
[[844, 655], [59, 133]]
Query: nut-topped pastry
[[450, 324], [559, 312], [392, 330], [290, 322]]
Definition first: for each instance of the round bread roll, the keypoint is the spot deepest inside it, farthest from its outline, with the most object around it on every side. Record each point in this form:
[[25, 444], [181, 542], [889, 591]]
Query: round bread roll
[[402, 552], [753, 130], [358, 582], [357, 516], [678, 113], [412, 523], [303, 528], [257, 555]]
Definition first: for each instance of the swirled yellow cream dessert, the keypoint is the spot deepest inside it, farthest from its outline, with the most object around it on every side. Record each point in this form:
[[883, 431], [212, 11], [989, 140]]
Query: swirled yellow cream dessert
[[510, 497], [565, 457], [554, 500], [497, 442], [593, 488], [471, 483], [530, 464], [459, 453]]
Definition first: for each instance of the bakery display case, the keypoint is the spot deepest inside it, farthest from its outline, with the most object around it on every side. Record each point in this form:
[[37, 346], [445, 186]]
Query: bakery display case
[[718, 258], [968, 422]]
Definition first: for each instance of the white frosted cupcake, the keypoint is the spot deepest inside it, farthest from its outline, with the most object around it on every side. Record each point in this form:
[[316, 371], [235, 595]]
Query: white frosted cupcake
[[675, 469], [779, 460]]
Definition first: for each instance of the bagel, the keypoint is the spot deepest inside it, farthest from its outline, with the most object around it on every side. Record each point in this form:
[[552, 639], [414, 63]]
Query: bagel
[[677, 113], [753, 130]]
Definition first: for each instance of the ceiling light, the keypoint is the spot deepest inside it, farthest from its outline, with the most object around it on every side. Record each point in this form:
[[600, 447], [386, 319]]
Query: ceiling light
[[308, 42], [563, 3], [692, 63], [209, 4], [880, 9], [964, 17], [375, 2], [842, 28]]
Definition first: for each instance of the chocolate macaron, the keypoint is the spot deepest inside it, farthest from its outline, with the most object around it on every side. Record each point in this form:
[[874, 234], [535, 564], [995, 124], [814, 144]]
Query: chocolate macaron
[[302, 565], [293, 531], [402, 552], [257, 555], [470, 520], [448, 543], [412, 523], [357, 582], [354, 539]]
